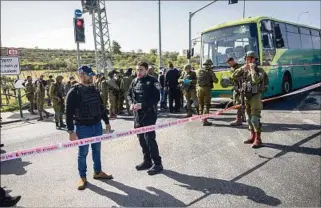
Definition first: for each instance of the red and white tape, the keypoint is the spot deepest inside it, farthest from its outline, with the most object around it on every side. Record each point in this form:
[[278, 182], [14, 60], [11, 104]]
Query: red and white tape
[[114, 135]]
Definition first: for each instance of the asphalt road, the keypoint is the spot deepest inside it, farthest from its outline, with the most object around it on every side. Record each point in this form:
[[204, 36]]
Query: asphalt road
[[204, 166]]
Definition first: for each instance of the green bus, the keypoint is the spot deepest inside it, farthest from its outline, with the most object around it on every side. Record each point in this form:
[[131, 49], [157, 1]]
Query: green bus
[[288, 52]]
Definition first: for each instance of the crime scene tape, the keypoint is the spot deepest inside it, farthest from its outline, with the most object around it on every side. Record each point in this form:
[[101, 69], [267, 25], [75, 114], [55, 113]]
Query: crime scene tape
[[114, 135]]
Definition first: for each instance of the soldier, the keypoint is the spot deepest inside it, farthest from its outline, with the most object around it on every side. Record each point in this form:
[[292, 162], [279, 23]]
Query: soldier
[[120, 95], [30, 93], [236, 92], [112, 93], [57, 94], [49, 81], [188, 81], [252, 86], [68, 85], [40, 95], [151, 72], [205, 81], [124, 86], [143, 96], [104, 91]]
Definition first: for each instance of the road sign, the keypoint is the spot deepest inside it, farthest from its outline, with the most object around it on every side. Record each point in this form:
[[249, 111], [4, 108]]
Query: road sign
[[12, 52], [10, 65], [78, 13]]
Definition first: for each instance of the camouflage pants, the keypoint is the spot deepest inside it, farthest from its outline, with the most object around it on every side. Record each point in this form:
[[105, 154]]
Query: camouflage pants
[[59, 111], [31, 100], [191, 95], [253, 110], [126, 100], [40, 103], [112, 103], [204, 99], [104, 96], [120, 101]]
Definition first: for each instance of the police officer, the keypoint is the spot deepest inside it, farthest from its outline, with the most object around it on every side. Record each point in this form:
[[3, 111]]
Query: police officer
[[143, 95], [30, 93], [252, 86], [84, 106], [236, 91], [205, 81], [188, 81], [56, 92]]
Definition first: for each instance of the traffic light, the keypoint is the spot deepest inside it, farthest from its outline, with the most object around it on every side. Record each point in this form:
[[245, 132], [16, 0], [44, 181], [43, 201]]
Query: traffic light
[[79, 30], [232, 1]]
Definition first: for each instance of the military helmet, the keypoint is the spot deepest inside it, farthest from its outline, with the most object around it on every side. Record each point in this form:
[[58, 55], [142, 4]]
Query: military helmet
[[225, 82], [208, 62], [251, 54]]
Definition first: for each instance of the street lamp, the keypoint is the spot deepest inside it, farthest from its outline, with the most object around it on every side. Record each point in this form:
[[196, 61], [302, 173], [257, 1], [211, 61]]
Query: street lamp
[[306, 12], [191, 14]]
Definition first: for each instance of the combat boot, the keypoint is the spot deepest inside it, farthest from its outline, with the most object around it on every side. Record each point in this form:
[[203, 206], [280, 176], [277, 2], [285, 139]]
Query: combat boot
[[252, 137], [258, 141], [62, 125], [9, 201], [147, 164], [155, 169]]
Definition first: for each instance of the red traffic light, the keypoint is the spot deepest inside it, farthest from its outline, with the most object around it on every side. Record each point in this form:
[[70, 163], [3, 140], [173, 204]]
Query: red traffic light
[[80, 23]]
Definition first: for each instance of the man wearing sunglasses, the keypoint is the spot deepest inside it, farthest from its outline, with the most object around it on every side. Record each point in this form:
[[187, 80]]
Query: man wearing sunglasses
[[85, 109]]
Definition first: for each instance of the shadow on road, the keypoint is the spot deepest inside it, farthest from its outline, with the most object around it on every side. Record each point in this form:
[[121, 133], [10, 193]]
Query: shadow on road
[[16, 167], [136, 197], [218, 186]]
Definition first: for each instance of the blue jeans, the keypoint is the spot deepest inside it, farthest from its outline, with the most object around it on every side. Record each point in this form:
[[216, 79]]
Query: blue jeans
[[86, 132], [163, 98]]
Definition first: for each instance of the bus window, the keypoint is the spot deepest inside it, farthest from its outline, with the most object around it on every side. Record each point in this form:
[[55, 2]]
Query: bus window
[[281, 40], [306, 41], [268, 49], [315, 39]]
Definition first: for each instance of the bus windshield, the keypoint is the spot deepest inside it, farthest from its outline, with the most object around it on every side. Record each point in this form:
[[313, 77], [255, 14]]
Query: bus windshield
[[232, 41]]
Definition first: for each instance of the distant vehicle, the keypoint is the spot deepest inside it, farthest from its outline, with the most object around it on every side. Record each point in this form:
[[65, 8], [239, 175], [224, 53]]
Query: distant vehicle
[[288, 52]]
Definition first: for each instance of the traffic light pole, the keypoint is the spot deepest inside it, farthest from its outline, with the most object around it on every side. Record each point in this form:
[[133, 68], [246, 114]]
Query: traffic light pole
[[78, 55], [191, 14]]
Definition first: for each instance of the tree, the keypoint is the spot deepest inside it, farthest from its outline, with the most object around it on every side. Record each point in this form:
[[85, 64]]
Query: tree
[[153, 51], [116, 47]]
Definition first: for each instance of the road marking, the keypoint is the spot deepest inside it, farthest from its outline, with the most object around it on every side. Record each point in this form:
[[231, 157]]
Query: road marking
[[309, 121]]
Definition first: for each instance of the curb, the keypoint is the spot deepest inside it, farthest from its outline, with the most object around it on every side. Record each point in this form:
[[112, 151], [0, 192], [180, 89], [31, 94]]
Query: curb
[[21, 119]]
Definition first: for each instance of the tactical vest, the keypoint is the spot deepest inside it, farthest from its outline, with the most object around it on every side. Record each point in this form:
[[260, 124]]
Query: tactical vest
[[90, 106], [141, 89], [203, 79]]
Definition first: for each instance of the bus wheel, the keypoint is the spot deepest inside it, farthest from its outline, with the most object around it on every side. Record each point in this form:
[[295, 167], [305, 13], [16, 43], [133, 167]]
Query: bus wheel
[[286, 84]]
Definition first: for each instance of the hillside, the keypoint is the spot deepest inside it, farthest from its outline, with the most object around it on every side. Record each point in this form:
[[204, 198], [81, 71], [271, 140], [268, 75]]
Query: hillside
[[66, 60]]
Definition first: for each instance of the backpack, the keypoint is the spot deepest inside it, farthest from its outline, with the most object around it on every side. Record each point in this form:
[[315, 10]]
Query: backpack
[[265, 82]]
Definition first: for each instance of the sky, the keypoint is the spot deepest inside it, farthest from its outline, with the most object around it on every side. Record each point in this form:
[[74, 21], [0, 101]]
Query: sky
[[134, 24]]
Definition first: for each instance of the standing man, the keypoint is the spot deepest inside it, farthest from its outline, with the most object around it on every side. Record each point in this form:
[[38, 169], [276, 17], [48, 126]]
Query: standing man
[[252, 85], [49, 81], [161, 80], [237, 84], [143, 96], [69, 84], [30, 93], [124, 86], [40, 94], [56, 92], [188, 81], [205, 81], [104, 91], [84, 106], [171, 84], [151, 72], [112, 94]]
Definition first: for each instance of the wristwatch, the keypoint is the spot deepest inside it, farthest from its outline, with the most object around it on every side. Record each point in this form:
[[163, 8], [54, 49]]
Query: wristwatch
[[70, 131]]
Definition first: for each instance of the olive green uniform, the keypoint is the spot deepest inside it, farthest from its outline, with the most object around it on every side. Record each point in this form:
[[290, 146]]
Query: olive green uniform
[[40, 95], [57, 94], [237, 82], [112, 96], [30, 94], [124, 86], [189, 90], [205, 80], [104, 91], [120, 95], [154, 74], [49, 82]]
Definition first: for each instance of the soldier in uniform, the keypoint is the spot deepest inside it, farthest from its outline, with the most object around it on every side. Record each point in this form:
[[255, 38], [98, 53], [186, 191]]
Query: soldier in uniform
[[120, 95], [30, 94], [40, 94], [143, 96], [69, 84], [112, 93], [188, 82], [252, 85], [104, 91], [49, 81], [124, 86], [57, 94], [205, 81], [236, 92]]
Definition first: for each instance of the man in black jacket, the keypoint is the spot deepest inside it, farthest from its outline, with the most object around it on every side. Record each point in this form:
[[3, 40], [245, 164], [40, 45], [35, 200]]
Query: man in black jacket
[[171, 84], [85, 107], [163, 92]]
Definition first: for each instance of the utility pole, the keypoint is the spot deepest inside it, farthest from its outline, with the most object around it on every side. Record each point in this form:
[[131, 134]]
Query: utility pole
[[244, 10], [191, 14], [159, 36], [103, 51]]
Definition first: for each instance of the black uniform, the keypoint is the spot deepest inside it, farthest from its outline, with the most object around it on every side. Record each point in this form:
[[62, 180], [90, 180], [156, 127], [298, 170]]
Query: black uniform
[[146, 91], [171, 82]]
